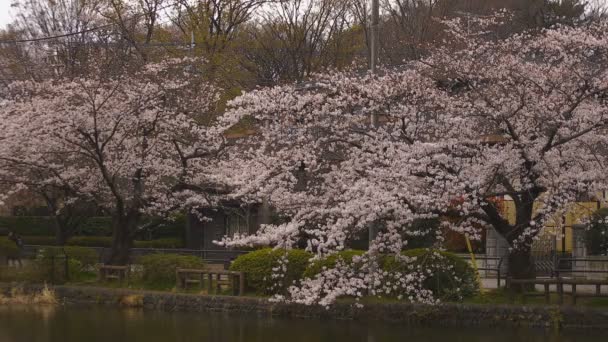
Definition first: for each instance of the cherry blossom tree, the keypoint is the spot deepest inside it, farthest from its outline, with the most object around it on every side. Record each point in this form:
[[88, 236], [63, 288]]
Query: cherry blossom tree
[[137, 144], [478, 121]]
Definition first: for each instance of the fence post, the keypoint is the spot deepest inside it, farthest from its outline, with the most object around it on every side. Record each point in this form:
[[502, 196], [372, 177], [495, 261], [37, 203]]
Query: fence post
[[52, 269], [67, 268]]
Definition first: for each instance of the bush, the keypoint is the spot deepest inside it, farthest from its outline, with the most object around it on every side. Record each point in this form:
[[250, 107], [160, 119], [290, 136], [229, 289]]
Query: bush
[[40, 240], [45, 225], [28, 225], [452, 277], [258, 267], [160, 268], [90, 241], [8, 248], [160, 243], [102, 241], [317, 266], [596, 236], [86, 256]]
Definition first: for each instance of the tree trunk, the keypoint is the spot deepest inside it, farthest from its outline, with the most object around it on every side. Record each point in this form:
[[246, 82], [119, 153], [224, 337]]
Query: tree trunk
[[521, 266], [61, 236], [122, 241]]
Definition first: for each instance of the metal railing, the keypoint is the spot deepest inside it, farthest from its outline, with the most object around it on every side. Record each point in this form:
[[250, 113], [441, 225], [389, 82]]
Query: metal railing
[[208, 255], [559, 270], [485, 267]]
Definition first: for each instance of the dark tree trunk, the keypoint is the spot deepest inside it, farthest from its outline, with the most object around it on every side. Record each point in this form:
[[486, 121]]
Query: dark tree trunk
[[122, 241], [521, 266], [61, 236], [520, 263], [63, 230]]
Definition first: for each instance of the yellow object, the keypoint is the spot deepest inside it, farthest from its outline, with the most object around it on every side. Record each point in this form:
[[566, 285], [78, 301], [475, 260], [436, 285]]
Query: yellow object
[[560, 227], [466, 238]]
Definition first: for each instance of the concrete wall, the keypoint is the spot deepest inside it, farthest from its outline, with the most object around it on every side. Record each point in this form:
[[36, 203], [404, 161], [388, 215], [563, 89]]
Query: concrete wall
[[497, 247], [591, 263]]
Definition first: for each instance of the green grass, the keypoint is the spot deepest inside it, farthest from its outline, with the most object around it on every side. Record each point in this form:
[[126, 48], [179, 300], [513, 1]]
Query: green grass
[[504, 297], [138, 284]]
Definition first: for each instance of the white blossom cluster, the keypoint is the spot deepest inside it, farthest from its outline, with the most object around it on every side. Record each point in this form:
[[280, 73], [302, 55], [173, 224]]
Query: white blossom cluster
[[477, 122]]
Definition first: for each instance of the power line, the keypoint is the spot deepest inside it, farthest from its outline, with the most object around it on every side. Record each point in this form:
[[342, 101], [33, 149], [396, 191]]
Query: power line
[[33, 40]]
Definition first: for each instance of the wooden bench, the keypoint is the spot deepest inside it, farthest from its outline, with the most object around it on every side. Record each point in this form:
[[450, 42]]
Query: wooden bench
[[559, 283], [590, 282], [107, 272], [236, 280]]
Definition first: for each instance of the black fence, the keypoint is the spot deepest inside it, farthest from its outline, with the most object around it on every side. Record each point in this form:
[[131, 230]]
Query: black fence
[[490, 266], [213, 256], [566, 267]]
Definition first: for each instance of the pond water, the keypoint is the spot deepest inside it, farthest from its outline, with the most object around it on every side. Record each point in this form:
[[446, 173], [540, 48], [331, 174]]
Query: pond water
[[97, 324]]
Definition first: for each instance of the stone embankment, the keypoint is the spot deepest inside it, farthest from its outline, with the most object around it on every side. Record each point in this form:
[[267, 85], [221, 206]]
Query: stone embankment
[[469, 315]]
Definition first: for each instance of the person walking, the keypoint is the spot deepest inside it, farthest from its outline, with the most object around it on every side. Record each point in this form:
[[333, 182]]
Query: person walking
[[19, 242]]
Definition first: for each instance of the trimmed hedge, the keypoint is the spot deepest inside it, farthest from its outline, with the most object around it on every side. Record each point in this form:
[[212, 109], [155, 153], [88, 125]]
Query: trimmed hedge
[[8, 248], [317, 266], [92, 226], [160, 268], [102, 241], [40, 240], [443, 266], [90, 241], [160, 243], [258, 266], [45, 225]]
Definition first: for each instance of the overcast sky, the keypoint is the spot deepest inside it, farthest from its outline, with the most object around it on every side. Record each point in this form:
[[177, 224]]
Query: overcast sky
[[5, 11], [5, 8]]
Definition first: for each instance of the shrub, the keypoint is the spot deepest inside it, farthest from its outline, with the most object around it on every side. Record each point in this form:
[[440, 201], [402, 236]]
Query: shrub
[[45, 225], [451, 277], [29, 225], [40, 240], [160, 268], [317, 266], [8, 248], [106, 241], [258, 267], [160, 243], [90, 241], [596, 236], [86, 256]]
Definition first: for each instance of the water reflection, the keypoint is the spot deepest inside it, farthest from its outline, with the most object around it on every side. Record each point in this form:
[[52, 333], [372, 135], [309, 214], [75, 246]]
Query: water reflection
[[76, 324]]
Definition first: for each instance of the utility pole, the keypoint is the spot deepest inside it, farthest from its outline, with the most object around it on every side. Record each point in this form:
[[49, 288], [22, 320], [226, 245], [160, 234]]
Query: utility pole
[[374, 36], [192, 43], [373, 228]]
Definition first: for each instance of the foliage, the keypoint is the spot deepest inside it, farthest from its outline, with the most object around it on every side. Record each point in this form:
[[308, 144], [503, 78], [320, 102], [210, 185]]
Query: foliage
[[87, 257], [449, 276], [45, 225], [90, 241], [28, 225], [160, 268], [133, 143], [315, 267], [596, 235], [40, 240], [8, 248], [258, 267], [160, 243], [452, 135], [31, 226], [102, 241]]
